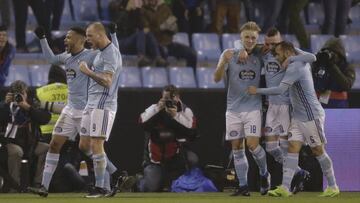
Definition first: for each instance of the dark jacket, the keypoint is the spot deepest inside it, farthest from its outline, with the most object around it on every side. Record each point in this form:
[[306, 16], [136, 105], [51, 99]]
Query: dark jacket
[[128, 22], [6, 56], [338, 75], [153, 18], [29, 122], [160, 148]]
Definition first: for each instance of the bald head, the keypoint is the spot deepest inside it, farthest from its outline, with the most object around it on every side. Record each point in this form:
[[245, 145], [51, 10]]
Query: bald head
[[96, 35], [98, 27]]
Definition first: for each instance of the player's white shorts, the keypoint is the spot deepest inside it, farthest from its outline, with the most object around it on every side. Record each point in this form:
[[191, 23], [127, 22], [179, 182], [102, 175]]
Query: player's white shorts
[[310, 132], [240, 125], [277, 120], [97, 123], [68, 124]]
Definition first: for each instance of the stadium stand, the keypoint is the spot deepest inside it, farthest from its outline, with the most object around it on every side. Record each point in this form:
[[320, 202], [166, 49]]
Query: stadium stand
[[130, 77], [154, 77], [204, 76], [182, 77]]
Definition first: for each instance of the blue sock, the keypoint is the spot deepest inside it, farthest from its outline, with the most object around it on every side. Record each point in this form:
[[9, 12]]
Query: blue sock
[[327, 169], [51, 162], [241, 166], [289, 168], [260, 159], [99, 169]]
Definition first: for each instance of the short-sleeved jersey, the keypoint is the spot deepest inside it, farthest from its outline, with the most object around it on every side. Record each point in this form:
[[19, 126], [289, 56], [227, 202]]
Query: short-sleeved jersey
[[306, 106], [77, 81], [100, 97], [239, 76], [273, 76]]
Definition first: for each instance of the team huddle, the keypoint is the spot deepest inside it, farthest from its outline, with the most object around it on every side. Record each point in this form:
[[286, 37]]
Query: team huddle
[[294, 117], [289, 88]]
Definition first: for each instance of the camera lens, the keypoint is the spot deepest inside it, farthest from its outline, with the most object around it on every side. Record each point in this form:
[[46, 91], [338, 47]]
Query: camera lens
[[18, 98]]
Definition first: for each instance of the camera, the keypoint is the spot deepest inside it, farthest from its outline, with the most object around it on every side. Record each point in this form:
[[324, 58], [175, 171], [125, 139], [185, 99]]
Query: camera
[[18, 98], [170, 103], [324, 56]]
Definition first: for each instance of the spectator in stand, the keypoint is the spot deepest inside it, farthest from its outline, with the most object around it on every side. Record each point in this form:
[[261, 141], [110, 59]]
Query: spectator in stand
[[55, 10], [336, 15], [190, 15], [5, 12], [7, 52], [133, 37], [229, 9], [21, 12], [159, 19]]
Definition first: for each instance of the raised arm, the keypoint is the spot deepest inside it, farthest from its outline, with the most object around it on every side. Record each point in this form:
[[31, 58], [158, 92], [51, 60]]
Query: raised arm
[[303, 56], [222, 64], [47, 52]]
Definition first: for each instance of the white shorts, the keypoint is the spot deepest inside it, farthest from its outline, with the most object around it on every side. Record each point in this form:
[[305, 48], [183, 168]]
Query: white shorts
[[97, 123], [240, 125], [69, 123], [277, 120], [310, 132]]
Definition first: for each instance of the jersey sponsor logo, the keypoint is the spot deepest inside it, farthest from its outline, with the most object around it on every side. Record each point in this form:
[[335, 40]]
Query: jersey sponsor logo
[[247, 75], [272, 67], [233, 133], [70, 74], [58, 129], [83, 130], [268, 129]]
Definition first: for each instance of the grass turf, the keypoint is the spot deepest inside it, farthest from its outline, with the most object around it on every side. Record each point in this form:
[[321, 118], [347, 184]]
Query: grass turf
[[304, 197]]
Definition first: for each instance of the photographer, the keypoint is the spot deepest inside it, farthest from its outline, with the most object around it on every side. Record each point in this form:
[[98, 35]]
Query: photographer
[[23, 117], [167, 124], [333, 75]]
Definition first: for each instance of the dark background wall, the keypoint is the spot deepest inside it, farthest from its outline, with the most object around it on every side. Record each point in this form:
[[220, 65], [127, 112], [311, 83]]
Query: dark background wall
[[126, 143]]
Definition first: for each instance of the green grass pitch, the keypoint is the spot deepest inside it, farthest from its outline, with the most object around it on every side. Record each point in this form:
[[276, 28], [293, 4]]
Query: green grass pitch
[[304, 197]]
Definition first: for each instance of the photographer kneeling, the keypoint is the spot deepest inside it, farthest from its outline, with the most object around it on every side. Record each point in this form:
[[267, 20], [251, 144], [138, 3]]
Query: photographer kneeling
[[167, 125], [333, 75], [23, 117]]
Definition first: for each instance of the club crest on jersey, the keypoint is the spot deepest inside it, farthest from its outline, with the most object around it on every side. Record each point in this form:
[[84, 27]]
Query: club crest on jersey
[[83, 130], [247, 75], [233, 133], [268, 129], [70, 74], [58, 129], [272, 67]]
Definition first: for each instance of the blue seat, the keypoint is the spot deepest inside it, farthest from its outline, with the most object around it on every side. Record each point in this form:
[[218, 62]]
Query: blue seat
[[130, 77], [228, 40], [316, 13], [58, 33], [182, 38], [18, 72], [317, 41], [352, 47], [182, 77], [356, 84], [85, 10], [354, 14], [292, 39], [205, 78], [39, 74], [154, 77], [206, 46]]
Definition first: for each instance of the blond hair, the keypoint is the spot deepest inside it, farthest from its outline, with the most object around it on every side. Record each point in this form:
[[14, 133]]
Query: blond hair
[[251, 25]]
